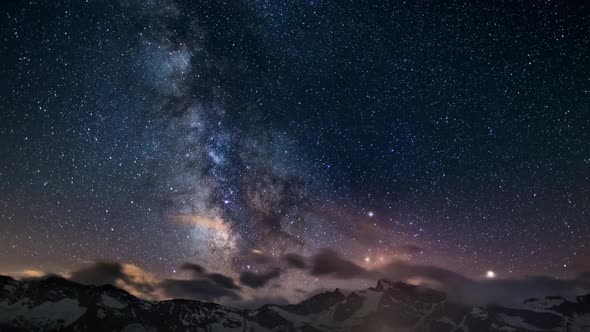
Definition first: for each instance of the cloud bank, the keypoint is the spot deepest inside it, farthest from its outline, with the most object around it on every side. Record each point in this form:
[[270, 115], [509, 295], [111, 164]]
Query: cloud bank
[[329, 265], [458, 287]]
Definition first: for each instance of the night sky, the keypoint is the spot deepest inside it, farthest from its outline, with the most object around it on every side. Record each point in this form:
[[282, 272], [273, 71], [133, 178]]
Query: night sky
[[446, 133]]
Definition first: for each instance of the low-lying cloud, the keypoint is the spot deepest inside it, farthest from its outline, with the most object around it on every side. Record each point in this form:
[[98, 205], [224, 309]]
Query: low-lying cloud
[[295, 261], [126, 276], [459, 288], [328, 265], [201, 285], [257, 280]]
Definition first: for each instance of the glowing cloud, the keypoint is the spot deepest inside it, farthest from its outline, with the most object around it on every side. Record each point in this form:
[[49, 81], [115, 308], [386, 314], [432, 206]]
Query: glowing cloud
[[211, 223]]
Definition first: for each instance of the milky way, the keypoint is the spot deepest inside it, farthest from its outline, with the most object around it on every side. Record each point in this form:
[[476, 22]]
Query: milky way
[[228, 134]]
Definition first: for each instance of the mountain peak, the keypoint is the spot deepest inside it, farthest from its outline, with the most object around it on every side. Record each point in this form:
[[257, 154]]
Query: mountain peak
[[384, 284], [317, 303], [5, 279]]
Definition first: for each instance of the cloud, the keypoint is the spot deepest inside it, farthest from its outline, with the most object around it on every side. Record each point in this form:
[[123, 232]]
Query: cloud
[[258, 301], [30, 274], [99, 273], [256, 257], [254, 280], [194, 268], [200, 272], [201, 286], [126, 276], [295, 261], [514, 291], [460, 288], [484, 292], [201, 289], [400, 270], [222, 280], [329, 263]]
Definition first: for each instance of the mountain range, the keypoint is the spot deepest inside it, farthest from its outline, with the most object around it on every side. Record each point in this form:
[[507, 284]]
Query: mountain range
[[57, 304]]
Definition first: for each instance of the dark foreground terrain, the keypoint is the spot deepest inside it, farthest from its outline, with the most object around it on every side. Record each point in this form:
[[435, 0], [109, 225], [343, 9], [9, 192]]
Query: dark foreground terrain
[[56, 304]]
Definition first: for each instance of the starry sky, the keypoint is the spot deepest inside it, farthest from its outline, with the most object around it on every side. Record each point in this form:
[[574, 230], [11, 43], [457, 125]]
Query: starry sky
[[446, 133]]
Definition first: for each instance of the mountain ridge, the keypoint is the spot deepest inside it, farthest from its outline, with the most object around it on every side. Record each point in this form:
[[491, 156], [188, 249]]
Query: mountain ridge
[[54, 303]]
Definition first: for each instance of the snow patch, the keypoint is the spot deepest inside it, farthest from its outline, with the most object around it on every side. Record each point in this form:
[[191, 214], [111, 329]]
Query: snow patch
[[60, 313], [515, 321], [370, 303], [9, 288], [138, 328], [544, 304], [477, 312], [100, 314], [111, 302]]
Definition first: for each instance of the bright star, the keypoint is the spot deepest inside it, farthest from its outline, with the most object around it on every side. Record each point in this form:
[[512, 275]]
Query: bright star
[[490, 274]]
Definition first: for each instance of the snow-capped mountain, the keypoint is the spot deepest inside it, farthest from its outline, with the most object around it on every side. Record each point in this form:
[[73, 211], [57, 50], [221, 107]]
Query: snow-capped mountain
[[57, 304]]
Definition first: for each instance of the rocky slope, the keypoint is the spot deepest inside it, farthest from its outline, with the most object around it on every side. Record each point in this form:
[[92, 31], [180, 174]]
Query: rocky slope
[[56, 304]]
